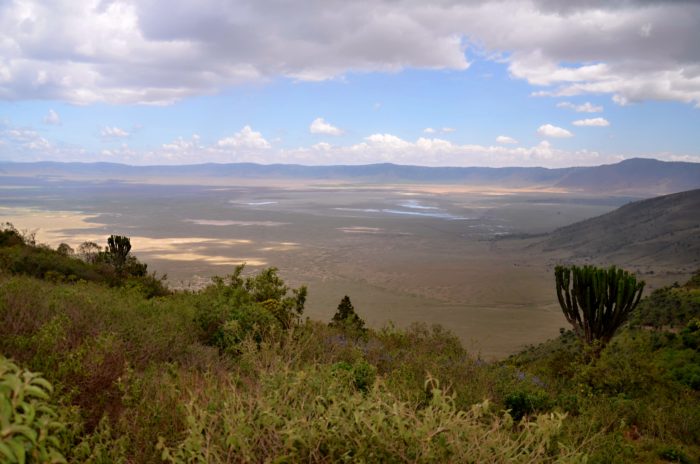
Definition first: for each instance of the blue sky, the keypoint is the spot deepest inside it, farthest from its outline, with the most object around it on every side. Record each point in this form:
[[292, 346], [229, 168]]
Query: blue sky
[[393, 81]]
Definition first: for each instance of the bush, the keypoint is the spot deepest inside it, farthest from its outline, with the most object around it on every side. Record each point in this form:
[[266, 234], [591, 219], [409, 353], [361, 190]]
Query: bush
[[234, 308], [522, 403]]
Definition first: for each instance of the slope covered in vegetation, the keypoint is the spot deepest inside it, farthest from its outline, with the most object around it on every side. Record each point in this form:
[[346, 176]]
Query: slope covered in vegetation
[[234, 373]]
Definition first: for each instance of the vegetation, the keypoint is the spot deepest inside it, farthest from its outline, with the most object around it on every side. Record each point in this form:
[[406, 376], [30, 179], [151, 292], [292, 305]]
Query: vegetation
[[596, 302], [347, 319], [233, 373], [19, 254]]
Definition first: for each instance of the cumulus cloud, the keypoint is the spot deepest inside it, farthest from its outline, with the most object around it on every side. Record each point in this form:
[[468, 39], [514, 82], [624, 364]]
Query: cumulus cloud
[[504, 139], [52, 118], [158, 51], [21, 144], [548, 130], [27, 139], [113, 132], [582, 108], [320, 126], [592, 122], [444, 130], [246, 138], [248, 145], [378, 148]]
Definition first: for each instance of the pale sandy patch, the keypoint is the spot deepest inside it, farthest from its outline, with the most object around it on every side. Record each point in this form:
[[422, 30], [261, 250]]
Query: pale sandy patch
[[220, 223], [281, 246], [483, 190], [48, 225], [215, 260], [150, 244], [50, 228], [361, 230]]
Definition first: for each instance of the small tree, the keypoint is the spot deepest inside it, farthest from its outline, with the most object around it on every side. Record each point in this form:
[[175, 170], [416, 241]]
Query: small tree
[[89, 251], [596, 302], [10, 236], [65, 249], [346, 317]]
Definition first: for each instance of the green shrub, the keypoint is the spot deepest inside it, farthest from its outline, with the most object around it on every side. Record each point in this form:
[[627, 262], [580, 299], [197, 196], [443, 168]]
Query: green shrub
[[362, 373], [233, 308], [672, 454], [691, 334], [523, 403]]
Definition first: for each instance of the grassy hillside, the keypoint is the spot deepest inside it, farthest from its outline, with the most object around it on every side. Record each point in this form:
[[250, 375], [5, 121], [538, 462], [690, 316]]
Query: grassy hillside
[[661, 230], [234, 373]]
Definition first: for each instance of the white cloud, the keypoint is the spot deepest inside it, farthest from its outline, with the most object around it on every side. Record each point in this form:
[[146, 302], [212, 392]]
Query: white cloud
[[157, 52], [378, 148], [592, 122], [582, 108], [320, 126], [21, 144], [548, 130], [246, 138], [387, 142], [249, 146], [181, 145], [504, 139], [27, 139], [113, 132], [52, 118], [444, 130]]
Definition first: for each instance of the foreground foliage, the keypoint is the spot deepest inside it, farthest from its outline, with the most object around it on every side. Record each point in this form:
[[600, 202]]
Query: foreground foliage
[[233, 374], [30, 429]]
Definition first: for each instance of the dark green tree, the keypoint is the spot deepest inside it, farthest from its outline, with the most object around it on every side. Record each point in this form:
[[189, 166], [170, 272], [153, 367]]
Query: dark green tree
[[595, 301], [118, 248], [346, 317]]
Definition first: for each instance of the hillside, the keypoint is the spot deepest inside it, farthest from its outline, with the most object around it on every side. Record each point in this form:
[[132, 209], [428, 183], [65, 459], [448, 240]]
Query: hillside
[[661, 231], [643, 177]]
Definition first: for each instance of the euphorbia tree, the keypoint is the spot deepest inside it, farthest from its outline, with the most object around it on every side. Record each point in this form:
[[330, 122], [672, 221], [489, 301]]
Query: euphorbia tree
[[596, 301]]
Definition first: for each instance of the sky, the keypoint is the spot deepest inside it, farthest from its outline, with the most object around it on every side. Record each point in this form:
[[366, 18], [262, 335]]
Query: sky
[[423, 82]]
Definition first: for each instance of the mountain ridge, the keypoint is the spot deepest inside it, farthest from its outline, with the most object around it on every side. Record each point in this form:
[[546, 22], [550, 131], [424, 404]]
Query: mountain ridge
[[641, 176]]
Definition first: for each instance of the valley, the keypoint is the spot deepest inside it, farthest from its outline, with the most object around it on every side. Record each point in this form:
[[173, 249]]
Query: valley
[[468, 258]]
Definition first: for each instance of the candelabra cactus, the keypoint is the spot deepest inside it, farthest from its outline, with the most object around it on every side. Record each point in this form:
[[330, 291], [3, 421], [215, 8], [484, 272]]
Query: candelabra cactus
[[118, 248], [596, 302]]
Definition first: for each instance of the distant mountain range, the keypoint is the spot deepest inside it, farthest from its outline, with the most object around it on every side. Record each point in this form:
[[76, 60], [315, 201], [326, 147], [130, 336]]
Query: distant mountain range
[[644, 177], [658, 231]]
